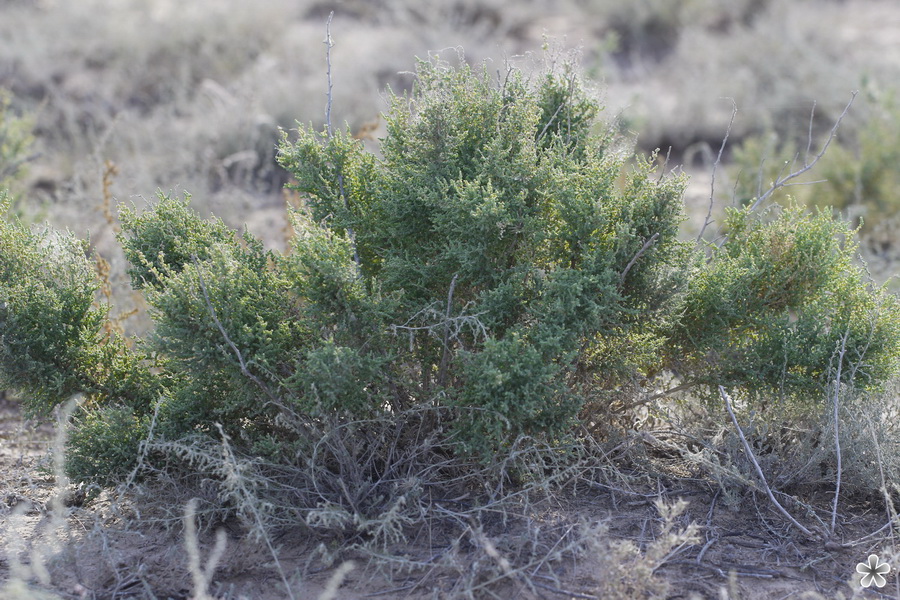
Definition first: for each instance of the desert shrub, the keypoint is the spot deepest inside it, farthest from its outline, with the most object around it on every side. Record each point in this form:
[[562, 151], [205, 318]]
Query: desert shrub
[[503, 269], [54, 343], [173, 236], [861, 173], [775, 302], [495, 221]]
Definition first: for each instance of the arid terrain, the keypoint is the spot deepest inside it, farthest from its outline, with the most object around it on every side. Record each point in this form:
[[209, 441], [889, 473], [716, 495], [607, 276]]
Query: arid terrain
[[121, 99]]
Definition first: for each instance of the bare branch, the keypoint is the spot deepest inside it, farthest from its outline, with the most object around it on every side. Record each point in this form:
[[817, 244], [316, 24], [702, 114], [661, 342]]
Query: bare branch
[[328, 44], [837, 439], [759, 471], [643, 249], [240, 357], [445, 355], [759, 177], [10, 169], [809, 136], [782, 180], [715, 167], [665, 166]]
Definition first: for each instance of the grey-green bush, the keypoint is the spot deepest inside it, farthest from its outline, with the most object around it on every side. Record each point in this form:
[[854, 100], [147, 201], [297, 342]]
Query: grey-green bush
[[504, 267]]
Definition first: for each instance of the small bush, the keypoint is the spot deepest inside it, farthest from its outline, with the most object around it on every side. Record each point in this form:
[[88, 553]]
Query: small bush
[[502, 271], [771, 307], [495, 222], [54, 342], [15, 141]]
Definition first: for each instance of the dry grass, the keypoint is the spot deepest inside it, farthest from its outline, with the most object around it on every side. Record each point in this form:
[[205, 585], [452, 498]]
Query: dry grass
[[191, 98], [584, 521]]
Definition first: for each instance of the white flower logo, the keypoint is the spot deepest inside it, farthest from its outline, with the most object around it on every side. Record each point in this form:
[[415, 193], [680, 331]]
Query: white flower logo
[[873, 571]]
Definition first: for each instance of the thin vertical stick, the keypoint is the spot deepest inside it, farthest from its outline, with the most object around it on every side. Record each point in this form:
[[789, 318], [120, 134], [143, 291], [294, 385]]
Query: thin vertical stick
[[445, 355], [837, 439], [330, 130], [712, 185], [328, 44]]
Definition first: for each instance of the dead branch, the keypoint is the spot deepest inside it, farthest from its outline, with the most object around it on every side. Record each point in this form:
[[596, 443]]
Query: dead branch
[[759, 471], [837, 439], [634, 259], [783, 179], [445, 354], [240, 357], [715, 167], [330, 95]]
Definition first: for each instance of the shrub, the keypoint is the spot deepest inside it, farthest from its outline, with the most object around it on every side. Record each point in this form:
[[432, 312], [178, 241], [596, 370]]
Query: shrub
[[15, 140], [502, 270], [54, 343], [495, 221], [770, 309]]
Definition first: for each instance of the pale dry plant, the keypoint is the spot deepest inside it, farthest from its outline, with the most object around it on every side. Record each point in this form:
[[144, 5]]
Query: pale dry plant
[[200, 575], [630, 571], [46, 541], [677, 100], [889, 542]]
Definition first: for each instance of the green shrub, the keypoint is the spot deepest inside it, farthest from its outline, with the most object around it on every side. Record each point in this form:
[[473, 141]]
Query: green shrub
[[861, 174], [54, 343], [770, 309], [105, 444], [504, 267], [495, 220], [163, 242]]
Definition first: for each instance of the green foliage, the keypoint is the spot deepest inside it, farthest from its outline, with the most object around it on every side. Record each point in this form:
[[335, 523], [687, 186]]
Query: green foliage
[[105, 444], [777, 301], [54, 344], [495, 220], [510, 386], [15, 141], [162, 243], [504, 266], [861, 177]]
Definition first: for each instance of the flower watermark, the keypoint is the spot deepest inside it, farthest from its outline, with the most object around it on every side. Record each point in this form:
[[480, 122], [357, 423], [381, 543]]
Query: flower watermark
[[873, 571]]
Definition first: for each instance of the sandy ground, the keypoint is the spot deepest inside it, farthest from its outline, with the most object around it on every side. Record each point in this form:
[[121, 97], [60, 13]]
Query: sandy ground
[[105, 549]]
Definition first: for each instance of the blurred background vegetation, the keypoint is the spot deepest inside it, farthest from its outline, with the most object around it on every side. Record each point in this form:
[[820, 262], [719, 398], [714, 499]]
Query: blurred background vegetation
[[109, 101]]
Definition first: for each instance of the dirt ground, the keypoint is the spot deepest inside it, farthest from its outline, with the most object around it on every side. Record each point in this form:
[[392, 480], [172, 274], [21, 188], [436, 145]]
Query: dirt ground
[[104, 549], [111, 547]]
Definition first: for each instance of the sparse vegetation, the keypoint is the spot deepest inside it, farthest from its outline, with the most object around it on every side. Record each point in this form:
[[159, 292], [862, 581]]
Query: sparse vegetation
[[481, 323]]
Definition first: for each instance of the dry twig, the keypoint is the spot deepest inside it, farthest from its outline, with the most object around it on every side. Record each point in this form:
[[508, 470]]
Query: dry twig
[[785, 180], [837, 439], [759, 471], [715, 167]]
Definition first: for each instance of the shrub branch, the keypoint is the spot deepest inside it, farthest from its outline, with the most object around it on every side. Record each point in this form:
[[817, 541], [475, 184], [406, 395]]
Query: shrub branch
[[240, 357], [837, 439], [635, 258], [715, 167], [759, 470], [784, 180]]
